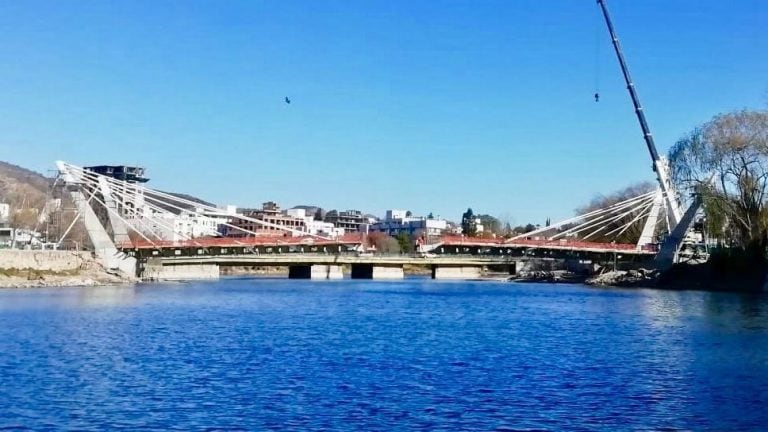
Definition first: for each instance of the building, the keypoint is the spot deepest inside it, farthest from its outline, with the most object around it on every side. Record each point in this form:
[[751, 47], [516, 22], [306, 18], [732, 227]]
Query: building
[[317, 212], [454, 228], [180, 221], [349, 220], [313, 226], [181, 226], [396, 214], [120, 172], [5, 214], [269, 220], [396, 222], [130, 202], [19, 238], [479, 228], [6, 237]]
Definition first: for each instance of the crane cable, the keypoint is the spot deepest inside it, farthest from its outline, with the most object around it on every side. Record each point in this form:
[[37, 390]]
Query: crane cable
[[598, 29]]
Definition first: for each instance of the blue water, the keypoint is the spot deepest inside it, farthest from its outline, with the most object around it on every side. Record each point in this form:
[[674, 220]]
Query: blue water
[[261, 354]]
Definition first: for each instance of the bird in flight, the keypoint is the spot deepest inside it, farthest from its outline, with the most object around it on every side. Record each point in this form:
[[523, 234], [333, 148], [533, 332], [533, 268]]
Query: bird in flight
[[287, 100]]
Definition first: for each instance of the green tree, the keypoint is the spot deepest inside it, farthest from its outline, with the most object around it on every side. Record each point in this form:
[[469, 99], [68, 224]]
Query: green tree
[[528, 228], [405, 242], [468, 226], [491, 225]]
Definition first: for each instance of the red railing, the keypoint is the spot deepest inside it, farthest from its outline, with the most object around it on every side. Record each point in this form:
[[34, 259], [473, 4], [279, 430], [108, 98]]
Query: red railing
[[565, 243], [241, 241], [356, 239]]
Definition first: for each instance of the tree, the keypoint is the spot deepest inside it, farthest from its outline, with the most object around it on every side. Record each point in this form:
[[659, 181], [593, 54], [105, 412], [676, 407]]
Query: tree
[[405, 242], [468, 226], [408, 213], [528, 228], [491, 225], [430, 216], [632, 233], [383, 243], [725, 161]]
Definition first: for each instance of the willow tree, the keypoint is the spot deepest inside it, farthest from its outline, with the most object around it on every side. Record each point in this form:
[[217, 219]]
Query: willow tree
[[725, 161]]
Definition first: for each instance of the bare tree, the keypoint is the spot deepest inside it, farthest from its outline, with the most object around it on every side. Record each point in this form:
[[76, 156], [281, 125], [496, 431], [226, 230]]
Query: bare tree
[[632, 233], [726, 162], [383, 243]]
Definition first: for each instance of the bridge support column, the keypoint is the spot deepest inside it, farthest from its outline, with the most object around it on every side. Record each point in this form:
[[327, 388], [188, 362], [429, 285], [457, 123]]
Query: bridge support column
[[370, 271], [156, 271], [456, 272], [315, 271]]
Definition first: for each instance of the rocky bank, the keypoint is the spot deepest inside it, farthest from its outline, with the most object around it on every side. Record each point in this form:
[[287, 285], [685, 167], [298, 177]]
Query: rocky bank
[[31, 269]]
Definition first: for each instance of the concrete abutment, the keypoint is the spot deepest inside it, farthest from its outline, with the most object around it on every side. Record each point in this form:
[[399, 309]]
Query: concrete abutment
[[156, 271], [370, 271], [456, 272], [315, 271]]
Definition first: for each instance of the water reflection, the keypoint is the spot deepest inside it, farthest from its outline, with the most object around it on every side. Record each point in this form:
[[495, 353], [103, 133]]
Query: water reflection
[[108, 296], [670, 308]]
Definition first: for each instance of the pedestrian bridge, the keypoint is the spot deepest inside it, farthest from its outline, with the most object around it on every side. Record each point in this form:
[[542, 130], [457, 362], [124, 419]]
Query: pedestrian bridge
[[128, 224], [202, 264]]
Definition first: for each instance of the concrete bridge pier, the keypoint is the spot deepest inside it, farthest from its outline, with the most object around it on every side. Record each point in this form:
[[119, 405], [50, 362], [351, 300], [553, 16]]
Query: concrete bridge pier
[[315, 271], [156, 271], [371, 271], [456, 272]]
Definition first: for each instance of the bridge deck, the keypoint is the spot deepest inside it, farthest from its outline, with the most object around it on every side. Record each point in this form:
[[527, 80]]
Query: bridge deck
[[355, 240], [308, 259]]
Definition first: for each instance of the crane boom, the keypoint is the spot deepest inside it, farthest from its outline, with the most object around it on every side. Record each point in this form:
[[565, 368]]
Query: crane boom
[[630, 85], [659, 165]]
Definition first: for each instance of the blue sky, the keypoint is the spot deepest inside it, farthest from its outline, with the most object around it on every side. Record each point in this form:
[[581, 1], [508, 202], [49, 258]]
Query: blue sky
[[422, 105]]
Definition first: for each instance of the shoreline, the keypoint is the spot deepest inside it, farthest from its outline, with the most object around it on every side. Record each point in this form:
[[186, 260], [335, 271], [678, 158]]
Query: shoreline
[[683, 278]]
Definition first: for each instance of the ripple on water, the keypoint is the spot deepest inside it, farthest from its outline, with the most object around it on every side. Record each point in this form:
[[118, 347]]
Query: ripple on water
[[275, 355]]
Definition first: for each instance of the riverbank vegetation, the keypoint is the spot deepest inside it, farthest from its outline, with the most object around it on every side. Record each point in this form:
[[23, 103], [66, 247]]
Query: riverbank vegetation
[[725, 162]]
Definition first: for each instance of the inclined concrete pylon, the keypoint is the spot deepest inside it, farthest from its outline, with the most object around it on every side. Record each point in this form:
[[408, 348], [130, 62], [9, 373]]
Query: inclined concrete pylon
[[103, 246]]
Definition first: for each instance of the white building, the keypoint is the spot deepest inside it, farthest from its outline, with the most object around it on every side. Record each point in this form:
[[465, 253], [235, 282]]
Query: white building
[[395, 215], [5, 213], [315, 227], [176, 227], [19, 238], [396, 222], [479, 228]]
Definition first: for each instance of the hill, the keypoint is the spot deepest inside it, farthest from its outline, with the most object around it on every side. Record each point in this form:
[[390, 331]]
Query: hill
[[25, 191]]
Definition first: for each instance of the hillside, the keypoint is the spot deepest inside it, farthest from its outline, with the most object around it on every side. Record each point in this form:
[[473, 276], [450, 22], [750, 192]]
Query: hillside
[[25, 191]]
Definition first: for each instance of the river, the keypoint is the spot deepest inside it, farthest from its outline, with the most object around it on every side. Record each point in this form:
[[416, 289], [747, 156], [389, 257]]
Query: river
[[261, 354]]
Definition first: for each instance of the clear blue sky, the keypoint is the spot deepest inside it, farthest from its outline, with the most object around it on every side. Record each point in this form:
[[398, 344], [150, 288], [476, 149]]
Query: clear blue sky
[[422, 105]]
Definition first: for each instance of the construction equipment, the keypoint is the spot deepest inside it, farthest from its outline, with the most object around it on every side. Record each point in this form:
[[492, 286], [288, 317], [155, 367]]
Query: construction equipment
[[666, 203]]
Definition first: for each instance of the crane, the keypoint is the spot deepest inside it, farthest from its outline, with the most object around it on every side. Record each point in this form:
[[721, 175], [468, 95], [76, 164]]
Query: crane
[[678, 221], [659, 163]]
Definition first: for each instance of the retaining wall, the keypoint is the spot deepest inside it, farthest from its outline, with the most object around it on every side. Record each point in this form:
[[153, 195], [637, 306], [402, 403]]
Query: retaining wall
[[46, 260]]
